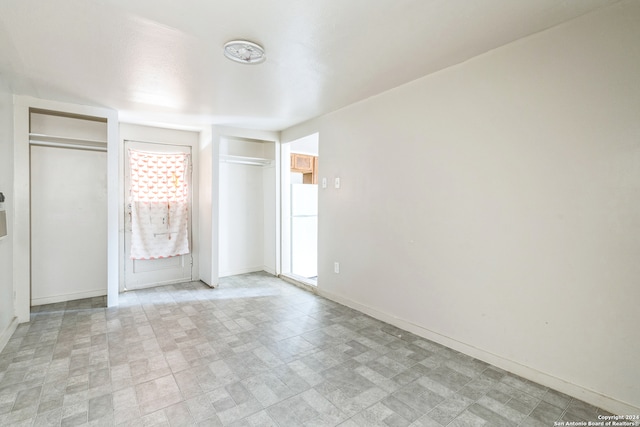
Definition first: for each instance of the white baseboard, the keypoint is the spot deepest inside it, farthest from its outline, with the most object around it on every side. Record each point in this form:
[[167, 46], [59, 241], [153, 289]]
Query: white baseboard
[[69, 297], [590, 396], [8, 332]]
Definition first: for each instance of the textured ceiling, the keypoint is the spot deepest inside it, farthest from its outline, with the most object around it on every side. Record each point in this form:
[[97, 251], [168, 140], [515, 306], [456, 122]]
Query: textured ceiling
[[160, 61]]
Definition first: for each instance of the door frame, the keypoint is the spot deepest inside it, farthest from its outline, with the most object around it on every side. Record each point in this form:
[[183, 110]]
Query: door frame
[[162, 136], [309, 140]]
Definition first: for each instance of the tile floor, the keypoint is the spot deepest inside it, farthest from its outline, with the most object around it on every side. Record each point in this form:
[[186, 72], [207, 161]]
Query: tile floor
[[254, 352]]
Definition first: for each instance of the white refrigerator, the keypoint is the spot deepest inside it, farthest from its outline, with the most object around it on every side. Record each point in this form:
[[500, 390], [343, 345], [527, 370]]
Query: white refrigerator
[[304, 230]]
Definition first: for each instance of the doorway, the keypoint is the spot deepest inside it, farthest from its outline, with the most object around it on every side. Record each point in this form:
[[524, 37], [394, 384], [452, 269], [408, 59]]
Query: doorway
[[300, 210], [157, 217]]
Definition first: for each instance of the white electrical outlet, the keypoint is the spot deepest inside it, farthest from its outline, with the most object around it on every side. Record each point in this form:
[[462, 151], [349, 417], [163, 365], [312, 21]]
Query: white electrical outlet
[[336, 267]]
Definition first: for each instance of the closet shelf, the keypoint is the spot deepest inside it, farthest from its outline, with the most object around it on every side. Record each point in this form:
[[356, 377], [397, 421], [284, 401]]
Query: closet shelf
[[243, 160]]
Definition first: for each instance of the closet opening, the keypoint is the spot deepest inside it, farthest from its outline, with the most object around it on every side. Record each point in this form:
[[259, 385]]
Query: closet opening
[[247, 206], [68, 200]]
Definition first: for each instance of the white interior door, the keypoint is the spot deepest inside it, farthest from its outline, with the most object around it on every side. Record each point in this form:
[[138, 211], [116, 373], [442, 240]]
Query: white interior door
[[144, 273], [68, 224]]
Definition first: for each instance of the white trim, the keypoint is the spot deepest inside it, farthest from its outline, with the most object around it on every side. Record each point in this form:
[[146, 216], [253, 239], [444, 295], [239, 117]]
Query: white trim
[[601, 401], [205, 200], [8, 332], [278, 213], [284, 238], [114, 188], [69, 297]]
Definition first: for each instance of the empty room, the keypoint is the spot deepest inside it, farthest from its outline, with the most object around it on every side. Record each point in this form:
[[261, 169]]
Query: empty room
[[320, 213]]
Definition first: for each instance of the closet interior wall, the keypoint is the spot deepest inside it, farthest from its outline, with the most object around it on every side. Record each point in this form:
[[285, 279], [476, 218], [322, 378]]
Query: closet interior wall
[[247, 211]]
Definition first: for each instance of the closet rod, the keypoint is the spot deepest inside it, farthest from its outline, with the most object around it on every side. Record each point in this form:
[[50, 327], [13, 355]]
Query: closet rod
[[40, 137], [243, 160], [69, 146]]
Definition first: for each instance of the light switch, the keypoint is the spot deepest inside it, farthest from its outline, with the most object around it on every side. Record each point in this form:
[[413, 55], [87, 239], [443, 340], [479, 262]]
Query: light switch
[[337, 183], [324, 182]]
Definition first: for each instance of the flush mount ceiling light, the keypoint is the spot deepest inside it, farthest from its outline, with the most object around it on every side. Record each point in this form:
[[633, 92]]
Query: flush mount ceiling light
[[244, 52]]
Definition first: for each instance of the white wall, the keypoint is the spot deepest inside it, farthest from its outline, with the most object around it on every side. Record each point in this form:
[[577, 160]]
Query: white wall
[[241, 213], [6, 187], [306, 145], [495, 206]]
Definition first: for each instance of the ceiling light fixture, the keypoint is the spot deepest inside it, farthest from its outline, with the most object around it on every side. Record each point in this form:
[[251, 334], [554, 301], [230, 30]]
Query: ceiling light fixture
[[244, 52]]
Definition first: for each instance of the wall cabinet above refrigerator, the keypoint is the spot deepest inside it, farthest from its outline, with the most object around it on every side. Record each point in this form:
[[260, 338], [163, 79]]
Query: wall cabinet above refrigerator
[[306, 165]]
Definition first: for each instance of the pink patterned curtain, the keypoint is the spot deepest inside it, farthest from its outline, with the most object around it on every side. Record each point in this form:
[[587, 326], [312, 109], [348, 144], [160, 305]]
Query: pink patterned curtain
[[159, 197]]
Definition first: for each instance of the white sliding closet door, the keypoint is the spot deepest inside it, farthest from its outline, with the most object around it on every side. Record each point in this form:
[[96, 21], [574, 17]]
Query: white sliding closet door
[[68, 224]]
